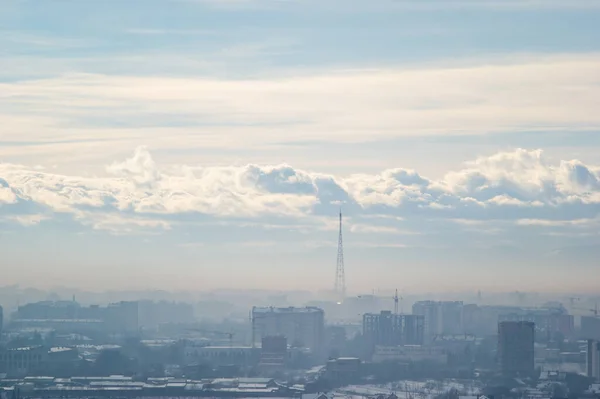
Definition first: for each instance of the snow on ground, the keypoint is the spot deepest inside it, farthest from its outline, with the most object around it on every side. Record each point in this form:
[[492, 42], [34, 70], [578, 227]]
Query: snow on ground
[[411, 389]]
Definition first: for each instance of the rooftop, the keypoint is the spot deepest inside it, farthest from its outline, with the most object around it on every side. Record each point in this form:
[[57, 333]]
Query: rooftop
[[291, 309]]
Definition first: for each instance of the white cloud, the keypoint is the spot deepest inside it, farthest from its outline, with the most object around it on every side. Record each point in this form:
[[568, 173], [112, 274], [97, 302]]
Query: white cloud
[[120, 224], [522, 185], [519, 93], [367, 229], [28, 220]]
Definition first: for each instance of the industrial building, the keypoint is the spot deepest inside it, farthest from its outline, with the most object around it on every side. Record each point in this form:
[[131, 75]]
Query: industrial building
[[302, 327], [516, 353], [387, 329]]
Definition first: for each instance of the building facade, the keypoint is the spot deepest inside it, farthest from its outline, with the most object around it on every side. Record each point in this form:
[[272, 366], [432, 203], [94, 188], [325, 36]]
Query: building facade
[[23, 361], [516, 355], [410, 353], [548, 322], [590, 327], [387, 329], [593, 359], [302, 327], [441, 317], [273, 353]]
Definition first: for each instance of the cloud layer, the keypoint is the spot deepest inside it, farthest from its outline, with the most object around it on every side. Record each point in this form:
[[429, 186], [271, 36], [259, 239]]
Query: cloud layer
[[63, 115], [521, 186]]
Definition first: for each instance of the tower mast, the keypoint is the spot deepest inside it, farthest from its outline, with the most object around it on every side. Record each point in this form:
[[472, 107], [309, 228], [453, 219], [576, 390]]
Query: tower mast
[[340, 276]]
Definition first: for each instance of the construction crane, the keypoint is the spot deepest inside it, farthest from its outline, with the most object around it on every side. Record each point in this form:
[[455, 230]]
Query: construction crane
[[572, 300], [397, 300], [594, 311], [227, 334]]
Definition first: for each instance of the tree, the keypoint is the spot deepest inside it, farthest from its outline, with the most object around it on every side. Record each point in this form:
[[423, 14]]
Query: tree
[[113, 361]]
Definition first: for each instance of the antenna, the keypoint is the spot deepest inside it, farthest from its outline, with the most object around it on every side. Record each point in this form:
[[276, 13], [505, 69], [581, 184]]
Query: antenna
[[340, 275]]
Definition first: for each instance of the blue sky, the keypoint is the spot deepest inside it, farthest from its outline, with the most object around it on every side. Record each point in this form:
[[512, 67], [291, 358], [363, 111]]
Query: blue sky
[[202, 144]]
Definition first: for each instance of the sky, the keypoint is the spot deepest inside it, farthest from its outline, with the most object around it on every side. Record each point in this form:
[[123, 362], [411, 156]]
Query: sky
[[202, 144]]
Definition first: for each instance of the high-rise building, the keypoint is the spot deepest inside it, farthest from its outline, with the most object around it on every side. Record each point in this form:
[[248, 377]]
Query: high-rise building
[[593, 359], [302, 327], [548, 321], [1, 320], [516, 348], [590, 327], [441, 318], [431, 313], [452, 317], [388, 329]]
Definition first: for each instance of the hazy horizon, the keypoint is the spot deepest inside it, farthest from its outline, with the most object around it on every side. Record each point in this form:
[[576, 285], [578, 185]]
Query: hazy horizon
[[203, 144]]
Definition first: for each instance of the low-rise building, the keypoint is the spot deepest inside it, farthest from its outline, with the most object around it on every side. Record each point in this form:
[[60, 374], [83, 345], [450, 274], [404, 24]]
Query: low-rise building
[[222, 355], [410, 353], [343, 370], [23, 361]]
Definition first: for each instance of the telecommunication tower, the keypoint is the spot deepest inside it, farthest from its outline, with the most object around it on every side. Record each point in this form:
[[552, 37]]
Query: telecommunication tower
[[340, 275]]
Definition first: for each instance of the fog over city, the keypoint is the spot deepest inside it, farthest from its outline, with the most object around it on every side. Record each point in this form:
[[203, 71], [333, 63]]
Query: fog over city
[[336, 199]]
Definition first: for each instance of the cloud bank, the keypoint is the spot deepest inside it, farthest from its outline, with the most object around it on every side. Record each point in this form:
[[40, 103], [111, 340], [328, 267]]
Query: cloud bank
[[523, 187]]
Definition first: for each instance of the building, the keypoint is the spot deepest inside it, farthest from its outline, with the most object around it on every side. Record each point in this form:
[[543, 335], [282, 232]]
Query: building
[[410, 353], [123, 316], [440, 317], [344, 370], [472, 319], [1, 320], [119, 386], [516, 348], [459, 347], [18, 362], [23, 361], [152, 314], [302, 327], [221, 355], [593, 359], [273, 353], [548, 321], [452, 317], [387, 329], [59, 310], [431, 314], [69, 317], [590, 327]]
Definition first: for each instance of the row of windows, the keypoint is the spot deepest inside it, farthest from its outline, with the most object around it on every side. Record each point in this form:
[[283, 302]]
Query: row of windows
[[217, 354], [20, 356]]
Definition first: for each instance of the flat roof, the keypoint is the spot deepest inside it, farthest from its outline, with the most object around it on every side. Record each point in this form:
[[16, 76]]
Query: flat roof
[[291, 309]]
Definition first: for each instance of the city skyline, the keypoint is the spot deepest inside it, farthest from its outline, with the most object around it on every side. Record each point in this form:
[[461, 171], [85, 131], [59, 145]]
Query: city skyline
[[195, 145]]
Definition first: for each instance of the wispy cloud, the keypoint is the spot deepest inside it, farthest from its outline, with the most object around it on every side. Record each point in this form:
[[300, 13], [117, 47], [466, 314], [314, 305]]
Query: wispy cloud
[[28, 220], [165, 32], [343, 106]]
